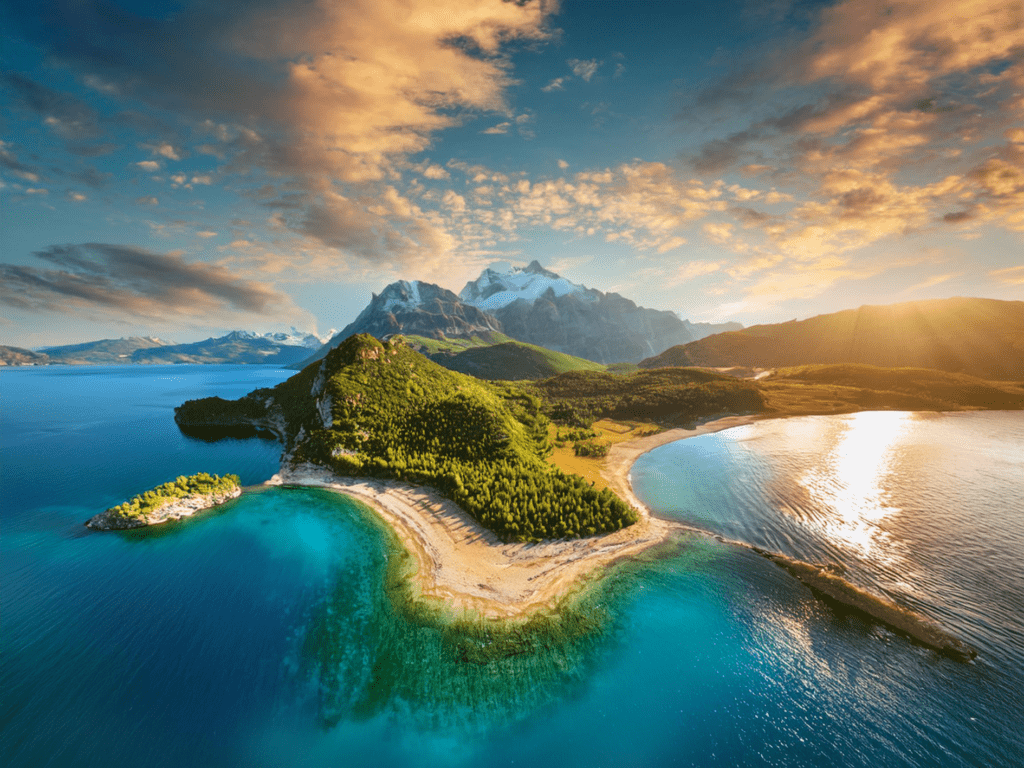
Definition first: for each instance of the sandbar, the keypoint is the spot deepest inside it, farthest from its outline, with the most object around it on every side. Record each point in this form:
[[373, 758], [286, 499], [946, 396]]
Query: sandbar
[[466, 567]]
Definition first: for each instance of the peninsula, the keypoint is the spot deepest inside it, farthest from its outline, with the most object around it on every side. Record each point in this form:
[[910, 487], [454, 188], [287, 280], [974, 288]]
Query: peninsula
[[459, 467], [182, 497]]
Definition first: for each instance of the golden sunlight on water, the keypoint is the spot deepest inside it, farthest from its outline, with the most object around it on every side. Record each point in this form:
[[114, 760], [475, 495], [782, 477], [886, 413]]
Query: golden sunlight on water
[[847, 487]]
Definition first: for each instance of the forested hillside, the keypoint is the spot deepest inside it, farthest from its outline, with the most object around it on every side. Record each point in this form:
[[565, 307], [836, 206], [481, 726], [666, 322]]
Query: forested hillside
[[980, 337], [384, 410], [669, 396]]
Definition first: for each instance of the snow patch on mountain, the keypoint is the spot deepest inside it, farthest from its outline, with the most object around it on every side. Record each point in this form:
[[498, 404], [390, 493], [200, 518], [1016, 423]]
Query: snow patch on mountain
[[494, 290], [290, 338], [401, 295]]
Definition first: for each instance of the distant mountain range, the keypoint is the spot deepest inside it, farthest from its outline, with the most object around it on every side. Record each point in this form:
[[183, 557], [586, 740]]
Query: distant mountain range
[[982, 337], [236, 347], [532, 305], [530, 323]]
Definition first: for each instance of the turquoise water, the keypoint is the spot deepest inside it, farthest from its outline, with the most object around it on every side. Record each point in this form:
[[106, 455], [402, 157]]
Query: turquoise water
[[266, 633]]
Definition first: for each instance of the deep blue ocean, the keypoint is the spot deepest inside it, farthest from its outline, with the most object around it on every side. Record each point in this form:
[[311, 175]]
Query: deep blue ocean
[[260, 634]]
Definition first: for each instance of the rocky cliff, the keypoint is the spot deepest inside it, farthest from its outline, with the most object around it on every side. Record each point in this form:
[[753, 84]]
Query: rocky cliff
[[415, 309]]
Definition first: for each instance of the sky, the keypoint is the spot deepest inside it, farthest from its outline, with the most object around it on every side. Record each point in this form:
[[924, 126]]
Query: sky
[[182, 169]]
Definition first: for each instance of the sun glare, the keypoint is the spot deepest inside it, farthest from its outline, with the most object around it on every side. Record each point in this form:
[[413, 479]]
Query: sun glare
[[848, 485]]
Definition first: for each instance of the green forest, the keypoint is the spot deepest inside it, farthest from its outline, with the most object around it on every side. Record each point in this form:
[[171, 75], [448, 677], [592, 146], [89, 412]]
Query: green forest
[[396, 414], [673, 396], [382, 409], [202, 484]]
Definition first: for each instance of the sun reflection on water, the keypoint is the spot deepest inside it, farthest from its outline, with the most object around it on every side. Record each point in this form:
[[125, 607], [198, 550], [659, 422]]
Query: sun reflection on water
[[848, 485]]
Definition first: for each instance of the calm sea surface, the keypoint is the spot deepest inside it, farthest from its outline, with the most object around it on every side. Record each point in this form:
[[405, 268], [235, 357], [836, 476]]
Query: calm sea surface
[[260, 634]]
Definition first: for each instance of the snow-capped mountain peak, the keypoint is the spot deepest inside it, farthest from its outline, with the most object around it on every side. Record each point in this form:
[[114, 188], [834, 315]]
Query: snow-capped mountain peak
[[290, 338], [403, 294], [494, 290]]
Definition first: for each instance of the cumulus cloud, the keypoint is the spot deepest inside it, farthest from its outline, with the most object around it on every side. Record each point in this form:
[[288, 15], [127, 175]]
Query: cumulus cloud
[[164, 150], [326, 89], [584, 69], [886, 119], [558, 84], [436, 172], [331, 98], [643, 205], [123, 281]]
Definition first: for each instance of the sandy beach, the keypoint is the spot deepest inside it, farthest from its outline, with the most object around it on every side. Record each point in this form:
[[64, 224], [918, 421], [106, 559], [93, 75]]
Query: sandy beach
[[465, 566]]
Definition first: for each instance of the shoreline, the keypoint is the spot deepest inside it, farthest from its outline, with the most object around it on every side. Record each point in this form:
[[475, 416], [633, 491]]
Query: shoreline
[[622, 456], [467, 568], [176, 509], [462, 567]]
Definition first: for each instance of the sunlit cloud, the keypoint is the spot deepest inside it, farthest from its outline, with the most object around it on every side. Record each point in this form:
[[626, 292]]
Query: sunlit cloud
[[1008, 276], [932, 282]]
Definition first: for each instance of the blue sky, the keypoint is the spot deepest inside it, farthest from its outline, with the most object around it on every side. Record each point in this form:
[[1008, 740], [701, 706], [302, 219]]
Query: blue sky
[[182, 169]]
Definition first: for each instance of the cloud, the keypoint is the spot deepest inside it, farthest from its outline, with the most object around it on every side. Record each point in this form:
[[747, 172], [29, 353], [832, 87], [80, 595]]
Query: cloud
[[558, 84], [383, 230], [883, 121], [147, 200], [562, 164], [149, 165], [88, 176], [164, 150], [125, 281], [1009, 276], [77, 197], [435, 172], [15, 166], [68, 117], [932, 281], [332, 91], [584, 68], [643, 205], [499, 128]]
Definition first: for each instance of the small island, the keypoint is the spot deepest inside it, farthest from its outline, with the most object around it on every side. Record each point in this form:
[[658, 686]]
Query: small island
[[180, 498]]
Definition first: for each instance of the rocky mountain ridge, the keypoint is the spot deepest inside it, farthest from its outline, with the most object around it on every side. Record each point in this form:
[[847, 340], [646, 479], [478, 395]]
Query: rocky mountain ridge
[[529, 304]]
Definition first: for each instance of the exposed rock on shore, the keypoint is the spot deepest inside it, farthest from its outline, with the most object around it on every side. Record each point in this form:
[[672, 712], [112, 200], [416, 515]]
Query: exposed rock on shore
[[834, 589], [174, 509]]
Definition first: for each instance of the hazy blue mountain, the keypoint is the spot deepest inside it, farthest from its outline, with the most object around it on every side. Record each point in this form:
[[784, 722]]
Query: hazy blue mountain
[[104, 351], [236, 347]]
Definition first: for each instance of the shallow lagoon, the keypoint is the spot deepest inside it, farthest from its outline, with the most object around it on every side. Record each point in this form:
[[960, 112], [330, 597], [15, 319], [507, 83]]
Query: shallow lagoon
[[265, 633]]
